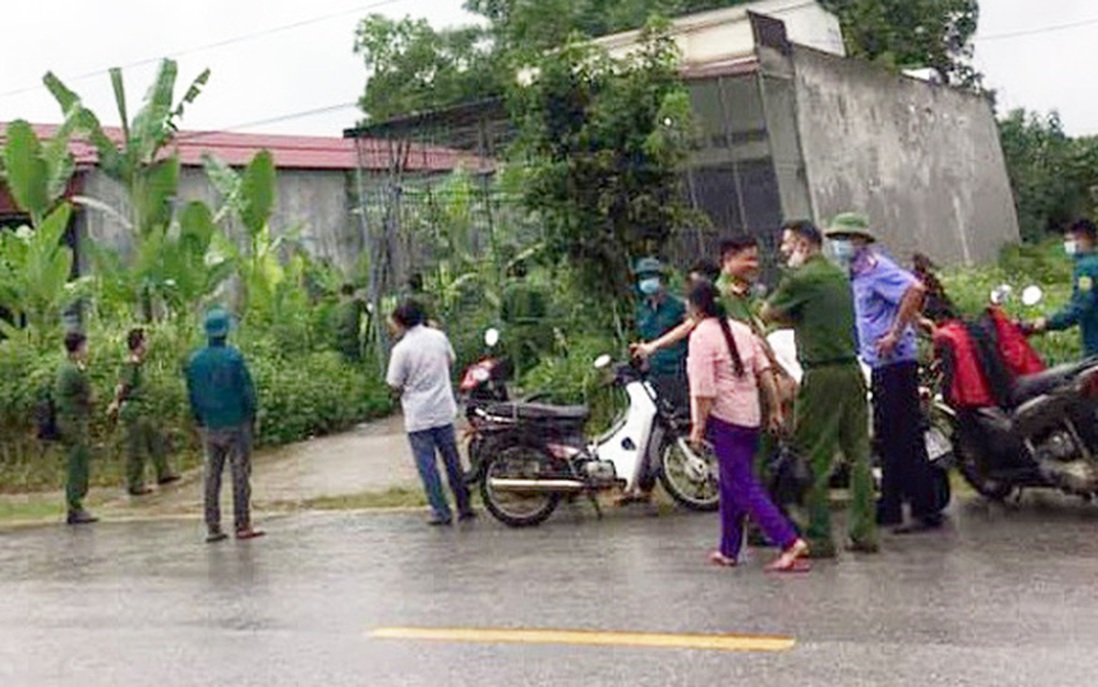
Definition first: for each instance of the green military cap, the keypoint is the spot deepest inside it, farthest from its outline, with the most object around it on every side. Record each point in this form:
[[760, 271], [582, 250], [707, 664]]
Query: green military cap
[[646, 266], [851, 224]]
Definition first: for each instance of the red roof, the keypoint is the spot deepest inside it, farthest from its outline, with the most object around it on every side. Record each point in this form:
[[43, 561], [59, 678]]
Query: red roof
[[290, 152]]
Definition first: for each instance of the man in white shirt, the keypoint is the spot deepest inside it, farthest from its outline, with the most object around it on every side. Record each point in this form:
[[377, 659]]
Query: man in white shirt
[[419, 370]]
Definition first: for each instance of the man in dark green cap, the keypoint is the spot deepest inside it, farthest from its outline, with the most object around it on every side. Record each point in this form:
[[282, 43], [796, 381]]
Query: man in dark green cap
[[142, 435], [657, 313], [831, 411], [73, 398], [223, 403], [1080, 242]]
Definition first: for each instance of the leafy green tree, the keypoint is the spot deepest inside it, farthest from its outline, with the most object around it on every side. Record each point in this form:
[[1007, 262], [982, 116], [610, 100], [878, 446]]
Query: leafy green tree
[[1054, 177], [913, 34], [605, 140], [411, 67]]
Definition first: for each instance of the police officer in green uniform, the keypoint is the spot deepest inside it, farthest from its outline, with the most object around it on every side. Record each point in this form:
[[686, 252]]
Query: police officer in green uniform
[[73, 399], [831, 409], [348, 324], [142, 436], [1079, 243]]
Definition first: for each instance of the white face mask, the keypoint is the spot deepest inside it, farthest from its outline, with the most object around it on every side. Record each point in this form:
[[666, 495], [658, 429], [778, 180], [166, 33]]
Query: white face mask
[[1071, 247]]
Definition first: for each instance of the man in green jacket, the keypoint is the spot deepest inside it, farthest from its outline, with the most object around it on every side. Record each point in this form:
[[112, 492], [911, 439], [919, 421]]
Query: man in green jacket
[[223, 403], [831, 411], [131, 406], [73, 399], [1079, 243]]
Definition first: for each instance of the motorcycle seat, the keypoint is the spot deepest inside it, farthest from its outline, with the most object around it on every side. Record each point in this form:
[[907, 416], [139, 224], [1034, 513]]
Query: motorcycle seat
[[540, 411], [1032, 386]]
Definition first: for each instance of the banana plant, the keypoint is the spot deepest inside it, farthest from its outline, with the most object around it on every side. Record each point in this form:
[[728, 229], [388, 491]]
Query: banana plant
[[150, 177], [248, 199], [35, 264]]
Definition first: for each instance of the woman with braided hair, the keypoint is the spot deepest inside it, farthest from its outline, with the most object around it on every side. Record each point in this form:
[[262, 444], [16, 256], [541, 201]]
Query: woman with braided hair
[[725, 366]]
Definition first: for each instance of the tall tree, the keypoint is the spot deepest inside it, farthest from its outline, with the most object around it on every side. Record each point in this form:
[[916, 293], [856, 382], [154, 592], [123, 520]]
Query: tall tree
[[411, 67], [913, 34], [605, 140], [1053, 176]]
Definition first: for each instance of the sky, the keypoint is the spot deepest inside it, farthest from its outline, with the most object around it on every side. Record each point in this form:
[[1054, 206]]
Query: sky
[[287, 66]]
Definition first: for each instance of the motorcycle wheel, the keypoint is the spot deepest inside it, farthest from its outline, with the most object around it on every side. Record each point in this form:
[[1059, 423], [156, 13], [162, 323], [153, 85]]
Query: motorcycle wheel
[[691, 488], [517, 461], [973, 473]]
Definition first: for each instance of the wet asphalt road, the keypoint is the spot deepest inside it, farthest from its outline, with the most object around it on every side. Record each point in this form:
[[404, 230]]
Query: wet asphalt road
[[1002, 598]]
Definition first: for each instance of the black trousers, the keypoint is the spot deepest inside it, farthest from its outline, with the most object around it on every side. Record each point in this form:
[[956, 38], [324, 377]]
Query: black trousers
[[898, 425]]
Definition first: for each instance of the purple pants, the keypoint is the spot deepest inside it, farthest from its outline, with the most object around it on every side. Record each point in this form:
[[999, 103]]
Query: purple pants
[[741, 493]]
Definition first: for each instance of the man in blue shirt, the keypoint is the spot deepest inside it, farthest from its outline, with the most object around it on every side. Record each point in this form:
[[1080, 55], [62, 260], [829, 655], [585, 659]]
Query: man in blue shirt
[[887, 301]]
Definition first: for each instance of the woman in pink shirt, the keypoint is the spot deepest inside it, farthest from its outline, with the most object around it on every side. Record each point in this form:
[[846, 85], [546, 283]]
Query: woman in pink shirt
[[725, 363]]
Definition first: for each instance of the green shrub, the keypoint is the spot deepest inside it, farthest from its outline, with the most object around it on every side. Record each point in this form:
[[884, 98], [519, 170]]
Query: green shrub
[[571, 378], [300, 396]]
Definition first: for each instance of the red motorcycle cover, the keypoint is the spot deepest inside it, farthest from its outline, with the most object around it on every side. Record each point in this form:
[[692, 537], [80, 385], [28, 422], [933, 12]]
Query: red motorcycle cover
[[983, 359], [1014, 348], [965, 382]]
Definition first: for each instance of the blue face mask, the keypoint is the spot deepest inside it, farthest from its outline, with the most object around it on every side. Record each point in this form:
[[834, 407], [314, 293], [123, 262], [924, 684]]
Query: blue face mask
[[843, 251], [649, 286]]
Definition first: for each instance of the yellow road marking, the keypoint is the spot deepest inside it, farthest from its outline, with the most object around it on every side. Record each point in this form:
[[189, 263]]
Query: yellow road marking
[[636, 639]]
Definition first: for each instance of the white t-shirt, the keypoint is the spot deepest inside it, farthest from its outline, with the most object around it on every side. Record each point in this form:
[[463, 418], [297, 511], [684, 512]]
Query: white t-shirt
[[420, 367]]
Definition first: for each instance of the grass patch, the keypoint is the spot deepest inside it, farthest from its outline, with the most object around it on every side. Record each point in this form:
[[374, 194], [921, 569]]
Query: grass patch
[[31, 509], [395, 497]]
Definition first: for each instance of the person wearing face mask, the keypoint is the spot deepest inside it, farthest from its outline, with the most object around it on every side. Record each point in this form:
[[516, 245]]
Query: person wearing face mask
[[1080, 241], [657, 313], [888, 301], [831, 412]]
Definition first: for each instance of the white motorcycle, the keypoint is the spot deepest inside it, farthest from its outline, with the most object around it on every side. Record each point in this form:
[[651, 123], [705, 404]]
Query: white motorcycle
[[938, 416], [534, 454]]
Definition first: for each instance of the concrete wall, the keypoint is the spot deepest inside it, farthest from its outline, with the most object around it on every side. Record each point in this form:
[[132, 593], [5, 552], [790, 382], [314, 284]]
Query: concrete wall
[[923, 161], [315, 202]]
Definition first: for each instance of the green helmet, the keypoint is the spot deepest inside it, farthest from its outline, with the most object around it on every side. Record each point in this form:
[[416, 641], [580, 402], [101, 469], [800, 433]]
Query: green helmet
[[648, 266], [851, 224]]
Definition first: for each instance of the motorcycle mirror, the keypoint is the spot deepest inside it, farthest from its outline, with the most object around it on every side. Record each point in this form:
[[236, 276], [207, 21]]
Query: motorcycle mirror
[[1000, 293], [602, 361], [491, 337], [1032, 295]]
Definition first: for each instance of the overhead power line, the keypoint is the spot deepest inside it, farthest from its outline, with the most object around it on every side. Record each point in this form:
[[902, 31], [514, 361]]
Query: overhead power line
[[217, 44], [1034, 32], [191, 135]]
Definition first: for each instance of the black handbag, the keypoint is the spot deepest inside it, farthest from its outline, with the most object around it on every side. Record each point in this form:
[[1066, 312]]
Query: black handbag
[[788, 476]]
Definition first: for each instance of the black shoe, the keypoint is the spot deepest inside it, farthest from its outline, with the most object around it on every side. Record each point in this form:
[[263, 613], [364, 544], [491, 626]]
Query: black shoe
[[438, 522], [467, 515], [140, 491], [216, 536], [921, 525], [80, 517], [168, 480]]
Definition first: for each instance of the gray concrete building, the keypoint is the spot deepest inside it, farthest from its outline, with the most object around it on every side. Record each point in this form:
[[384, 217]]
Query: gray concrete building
[[791, 128], [316, 179]]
